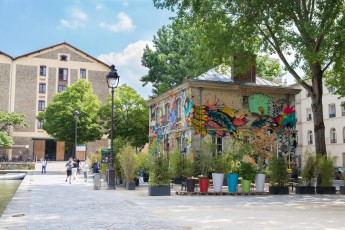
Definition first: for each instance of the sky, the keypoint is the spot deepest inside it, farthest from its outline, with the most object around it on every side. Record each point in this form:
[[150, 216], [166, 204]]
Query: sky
[[114, 31]]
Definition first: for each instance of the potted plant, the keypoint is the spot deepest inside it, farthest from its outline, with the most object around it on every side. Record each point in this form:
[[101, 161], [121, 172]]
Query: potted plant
[[205, 162], [325, 172], [187, 173], [220, 167], [232, 157], [128, 165], [176, 165], [308, 174], [159, 183], [247, 172], [263, 143], [279, 176]]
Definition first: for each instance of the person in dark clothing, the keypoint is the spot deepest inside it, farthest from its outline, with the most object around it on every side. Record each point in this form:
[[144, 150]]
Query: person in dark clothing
[[95, 166]]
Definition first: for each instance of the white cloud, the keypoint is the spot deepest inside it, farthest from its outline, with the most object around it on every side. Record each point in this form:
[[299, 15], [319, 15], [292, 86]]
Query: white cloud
[[124, 23], [125, 4], [71, 24], [128, 65], [78, 14], [77, 19]]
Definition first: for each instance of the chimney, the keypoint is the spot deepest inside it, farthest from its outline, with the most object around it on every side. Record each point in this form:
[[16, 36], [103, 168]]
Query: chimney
[[244, 68]]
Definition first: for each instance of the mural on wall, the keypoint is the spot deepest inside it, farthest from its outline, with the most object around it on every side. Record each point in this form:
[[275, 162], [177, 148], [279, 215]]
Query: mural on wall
[[172, 118]]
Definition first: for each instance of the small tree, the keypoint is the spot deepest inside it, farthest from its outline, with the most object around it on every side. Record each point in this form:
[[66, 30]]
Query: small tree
[[128, 163], [159, 171], [207, 149], [278, 173], [325, 170], [176, 163], [9, 121], [309, 168]]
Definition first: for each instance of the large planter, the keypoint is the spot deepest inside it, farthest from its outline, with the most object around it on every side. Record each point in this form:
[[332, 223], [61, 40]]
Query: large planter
[[246, 185], [305, 189], [260, 182], [190, 184], [342, 189], [325, 190], [130, 185], [203, 182], [159, 190], [136, 181], [279, 190], [217, 181], [232, 182]]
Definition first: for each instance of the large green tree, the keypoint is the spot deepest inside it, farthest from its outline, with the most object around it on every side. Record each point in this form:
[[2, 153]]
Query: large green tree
[[9, 121], [312, 31], [131, 116], [58, 116], [172, 59]]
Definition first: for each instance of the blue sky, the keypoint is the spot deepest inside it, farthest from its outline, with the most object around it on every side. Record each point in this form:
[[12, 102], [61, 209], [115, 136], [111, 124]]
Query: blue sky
[[115, 31]]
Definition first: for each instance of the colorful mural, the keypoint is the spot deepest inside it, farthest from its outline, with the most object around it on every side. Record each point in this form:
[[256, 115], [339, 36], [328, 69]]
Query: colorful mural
[[179, 118]]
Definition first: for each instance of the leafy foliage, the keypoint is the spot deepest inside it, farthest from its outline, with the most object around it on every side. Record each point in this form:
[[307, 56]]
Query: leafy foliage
[[278, 173], [188, 167], [268, 69], [204, 157], [9, 121], [130, 116], [309, 169], [310, 31], [325, 170], [176, 163], [128, 163], [247, 171], [59, 120], [159, 171]]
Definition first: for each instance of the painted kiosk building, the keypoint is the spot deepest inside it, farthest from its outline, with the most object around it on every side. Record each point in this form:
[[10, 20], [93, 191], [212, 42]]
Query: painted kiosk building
[[219, 107]]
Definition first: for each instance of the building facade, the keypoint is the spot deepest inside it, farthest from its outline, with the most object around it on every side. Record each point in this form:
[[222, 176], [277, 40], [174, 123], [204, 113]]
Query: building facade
[[218, 107], [27, 85], [334, 119]]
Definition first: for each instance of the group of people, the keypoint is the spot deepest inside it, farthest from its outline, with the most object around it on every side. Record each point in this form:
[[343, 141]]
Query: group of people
[[72, 167]]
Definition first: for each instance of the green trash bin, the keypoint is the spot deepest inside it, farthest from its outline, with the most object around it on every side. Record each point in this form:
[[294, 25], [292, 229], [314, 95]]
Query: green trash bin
[[96, 181]]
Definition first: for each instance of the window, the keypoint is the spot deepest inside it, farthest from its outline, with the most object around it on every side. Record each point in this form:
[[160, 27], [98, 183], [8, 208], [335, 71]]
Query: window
[[245, 102], [179, 142], [63, 74], [63, 58], [39, 124], [309, 114], [167, 112], [342, 109], [344, 135], [333, 136], [331, 89], [310, 137], [157, 116], [42, 88], [219, 142], [61, 88], [307, 94], [41, 105], [179, 109], [83, 73], [43, 70], [331, 109]]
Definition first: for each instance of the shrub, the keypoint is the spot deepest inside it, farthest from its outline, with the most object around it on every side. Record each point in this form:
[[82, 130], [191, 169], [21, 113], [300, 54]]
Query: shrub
[[325, 170], [278, 173], [128, 162], [188, 167], [247, 171], [159, 171], [176, 164], [309, 169]]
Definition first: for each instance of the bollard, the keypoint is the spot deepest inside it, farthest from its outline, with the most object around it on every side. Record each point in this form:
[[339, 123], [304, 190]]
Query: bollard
[[96, 181]]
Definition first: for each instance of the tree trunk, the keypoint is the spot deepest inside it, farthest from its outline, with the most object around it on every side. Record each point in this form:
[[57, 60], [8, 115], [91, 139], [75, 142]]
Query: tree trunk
[[316, 105]]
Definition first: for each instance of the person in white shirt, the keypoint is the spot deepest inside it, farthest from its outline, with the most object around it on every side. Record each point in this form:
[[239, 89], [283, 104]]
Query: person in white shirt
[[44, 165], [85, 170]]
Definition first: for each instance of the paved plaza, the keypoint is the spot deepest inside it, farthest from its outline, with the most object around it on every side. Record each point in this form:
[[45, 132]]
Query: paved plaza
[[47, 202]]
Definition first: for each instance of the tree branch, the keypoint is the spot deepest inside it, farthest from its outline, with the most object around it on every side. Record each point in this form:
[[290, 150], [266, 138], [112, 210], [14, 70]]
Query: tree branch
[[326, 67], [286, 63]]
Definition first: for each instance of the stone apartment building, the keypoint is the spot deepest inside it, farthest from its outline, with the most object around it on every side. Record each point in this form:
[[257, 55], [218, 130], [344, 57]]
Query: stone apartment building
[[334, 119], [221, 107], [28, 83]]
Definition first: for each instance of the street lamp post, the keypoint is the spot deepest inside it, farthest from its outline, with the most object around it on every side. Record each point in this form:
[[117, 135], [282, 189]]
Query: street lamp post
[[113, 81], [76, 115]]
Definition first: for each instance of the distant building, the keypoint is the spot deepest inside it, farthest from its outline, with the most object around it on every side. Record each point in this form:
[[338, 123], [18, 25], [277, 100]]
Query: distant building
[[219, 107], [28, 83], [334, 119]]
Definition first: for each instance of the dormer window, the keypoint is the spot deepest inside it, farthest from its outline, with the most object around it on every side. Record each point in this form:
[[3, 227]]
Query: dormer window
[[63, 58]]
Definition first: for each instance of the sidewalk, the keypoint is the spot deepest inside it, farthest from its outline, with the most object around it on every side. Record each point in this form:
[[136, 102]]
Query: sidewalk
[[47, 202]]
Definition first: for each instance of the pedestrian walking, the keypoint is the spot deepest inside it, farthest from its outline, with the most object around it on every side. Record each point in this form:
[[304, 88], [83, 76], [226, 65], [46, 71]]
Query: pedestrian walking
[[69, 166], [74, 169], [44, 165], [95, 166], [96, 176], [85, 170]]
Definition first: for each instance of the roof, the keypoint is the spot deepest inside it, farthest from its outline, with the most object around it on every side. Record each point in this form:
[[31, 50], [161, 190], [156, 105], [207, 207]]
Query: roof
[[6, 54], [59, 44], [224, 75]]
